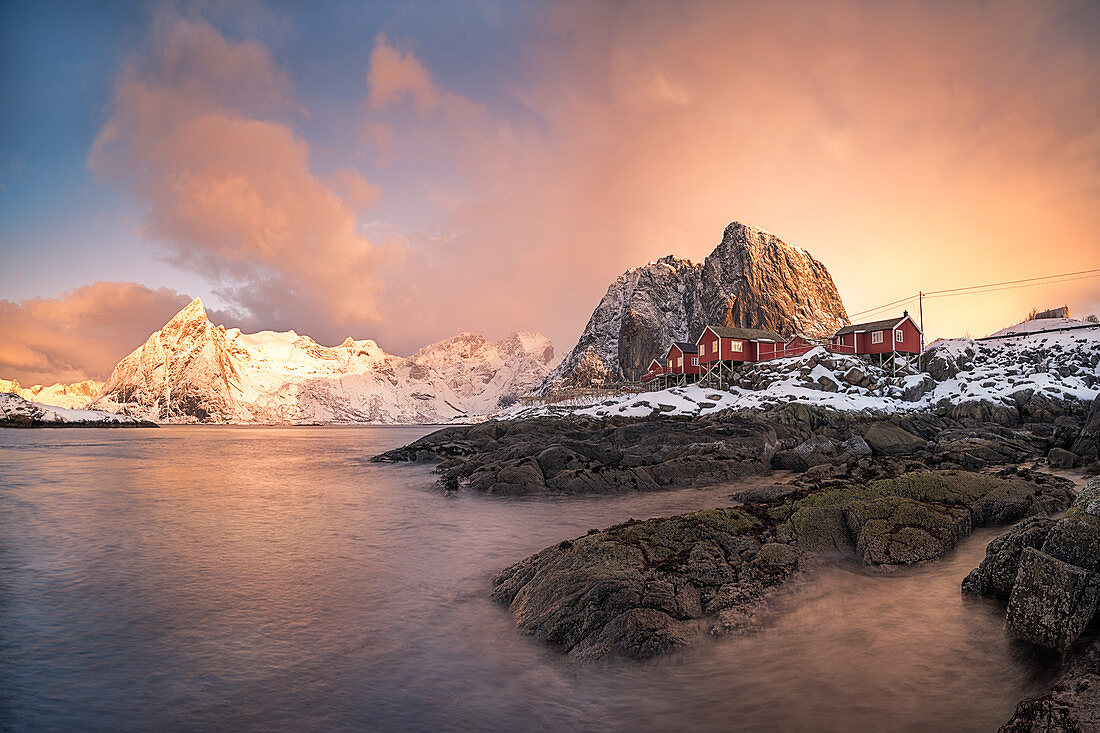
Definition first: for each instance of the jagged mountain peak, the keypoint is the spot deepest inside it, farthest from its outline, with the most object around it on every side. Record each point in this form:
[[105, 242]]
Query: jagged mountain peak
[[751, 279], [193, 311]]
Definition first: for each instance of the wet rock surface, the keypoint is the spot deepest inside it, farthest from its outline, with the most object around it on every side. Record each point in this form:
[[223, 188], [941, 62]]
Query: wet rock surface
[[576, 455], [644, 588], [1048, 571]]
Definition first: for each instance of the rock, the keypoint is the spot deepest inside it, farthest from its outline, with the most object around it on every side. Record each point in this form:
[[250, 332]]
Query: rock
[[1087, 446], [857, 446], [626, 590], [1060, 458], [997, 572], [944, 361], [752, 279], [854, 376], [886, 439], [1071, 704], [913, 390], [769, 494], [633, 589], [1051, 602], [818, 449]]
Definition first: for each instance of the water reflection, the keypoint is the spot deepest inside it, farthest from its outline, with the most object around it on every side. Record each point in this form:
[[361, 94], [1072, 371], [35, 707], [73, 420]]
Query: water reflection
[[271, 578]]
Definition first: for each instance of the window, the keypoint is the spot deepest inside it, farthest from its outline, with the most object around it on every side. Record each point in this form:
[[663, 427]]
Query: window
[[695, 361], [737, 345], [899, 335], [679, 361], [876, 337], [703, 350]]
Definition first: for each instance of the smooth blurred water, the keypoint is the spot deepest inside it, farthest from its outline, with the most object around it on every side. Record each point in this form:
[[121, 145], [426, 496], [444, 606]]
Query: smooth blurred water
[[273, 578]]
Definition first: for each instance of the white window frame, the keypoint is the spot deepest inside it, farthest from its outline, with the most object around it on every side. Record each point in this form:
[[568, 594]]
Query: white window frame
[[877, 337], [703, 349], [695, 361], [899, 335], [737, 345], [679, 361]]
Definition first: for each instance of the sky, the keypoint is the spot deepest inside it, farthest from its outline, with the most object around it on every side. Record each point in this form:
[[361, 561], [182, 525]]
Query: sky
[[407, 171]]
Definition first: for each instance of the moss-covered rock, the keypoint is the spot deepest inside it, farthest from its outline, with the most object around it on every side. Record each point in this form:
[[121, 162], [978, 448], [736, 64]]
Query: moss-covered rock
[[643, 588]]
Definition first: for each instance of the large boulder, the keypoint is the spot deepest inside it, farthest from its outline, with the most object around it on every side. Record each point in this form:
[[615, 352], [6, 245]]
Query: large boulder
[[1056, 588], [997, 572], [887, 439], [1087, 446], [1051, 602]]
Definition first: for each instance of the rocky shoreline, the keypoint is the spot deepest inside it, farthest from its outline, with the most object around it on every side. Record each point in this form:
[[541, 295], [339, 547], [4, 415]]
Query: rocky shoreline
[[879, 490]]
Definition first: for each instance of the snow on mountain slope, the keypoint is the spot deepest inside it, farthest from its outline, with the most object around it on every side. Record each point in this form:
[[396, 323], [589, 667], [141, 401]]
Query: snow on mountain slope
[[752, 279], [19, 412], [1007, 371], [194, 371], [1042, 324], [77, 395]]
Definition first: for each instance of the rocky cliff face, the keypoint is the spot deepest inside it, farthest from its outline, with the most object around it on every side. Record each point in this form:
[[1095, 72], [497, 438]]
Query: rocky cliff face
[[752, 279], [194, 371]]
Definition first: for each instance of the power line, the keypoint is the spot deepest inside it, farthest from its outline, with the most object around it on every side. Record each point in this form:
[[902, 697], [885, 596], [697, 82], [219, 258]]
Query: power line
[[1011, 282], [988, 288], [883, 307]]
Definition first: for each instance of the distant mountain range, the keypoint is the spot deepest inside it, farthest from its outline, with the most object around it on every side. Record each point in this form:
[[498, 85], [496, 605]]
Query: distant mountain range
[[73, 396], [752, 279], [194, 371]]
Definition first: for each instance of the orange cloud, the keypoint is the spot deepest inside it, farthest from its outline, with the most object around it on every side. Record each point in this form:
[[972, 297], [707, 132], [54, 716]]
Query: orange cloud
[[909, 149], [354, 188], [82, 334], [227, 186], [394, 76]]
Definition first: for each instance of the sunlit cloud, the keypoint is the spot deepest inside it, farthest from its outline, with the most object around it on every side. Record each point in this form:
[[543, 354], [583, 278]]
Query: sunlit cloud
[[226, 184], [83, 333]]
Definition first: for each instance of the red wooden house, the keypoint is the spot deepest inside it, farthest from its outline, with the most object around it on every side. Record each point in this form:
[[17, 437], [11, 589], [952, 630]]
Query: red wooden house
[[657, 369], [796, 345], [683, 362], [882, 339], [721, 347]]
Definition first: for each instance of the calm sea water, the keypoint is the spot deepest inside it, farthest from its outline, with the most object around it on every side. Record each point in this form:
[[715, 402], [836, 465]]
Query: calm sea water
[[273, 578]]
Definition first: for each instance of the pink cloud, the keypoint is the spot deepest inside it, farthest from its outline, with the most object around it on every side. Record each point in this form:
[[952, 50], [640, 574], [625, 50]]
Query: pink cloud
[[226, 185], [394, 76], [82, 334], [354, 188]]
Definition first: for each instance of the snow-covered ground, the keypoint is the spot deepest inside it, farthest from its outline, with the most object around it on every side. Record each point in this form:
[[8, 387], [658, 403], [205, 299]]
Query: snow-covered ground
[[1058, 365], [15, 408], [1042, 324]]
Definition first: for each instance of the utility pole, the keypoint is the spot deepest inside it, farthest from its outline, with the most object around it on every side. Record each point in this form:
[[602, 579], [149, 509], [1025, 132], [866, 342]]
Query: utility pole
[[920, 307]]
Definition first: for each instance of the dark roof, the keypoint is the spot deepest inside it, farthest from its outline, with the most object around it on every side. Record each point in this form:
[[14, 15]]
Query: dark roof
[[753, 334], [686, 347], [871, 325]]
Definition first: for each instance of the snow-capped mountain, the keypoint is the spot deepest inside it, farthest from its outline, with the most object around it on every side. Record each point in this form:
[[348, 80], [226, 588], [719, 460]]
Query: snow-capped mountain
[[752, 279], [194, 371], [75, 396], [16, 412]]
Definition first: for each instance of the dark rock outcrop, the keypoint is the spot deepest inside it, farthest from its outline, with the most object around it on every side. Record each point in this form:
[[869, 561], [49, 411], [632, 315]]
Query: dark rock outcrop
[[752, 279], [1071, 705], [643, 588], [1055, 589], [638, 454]]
